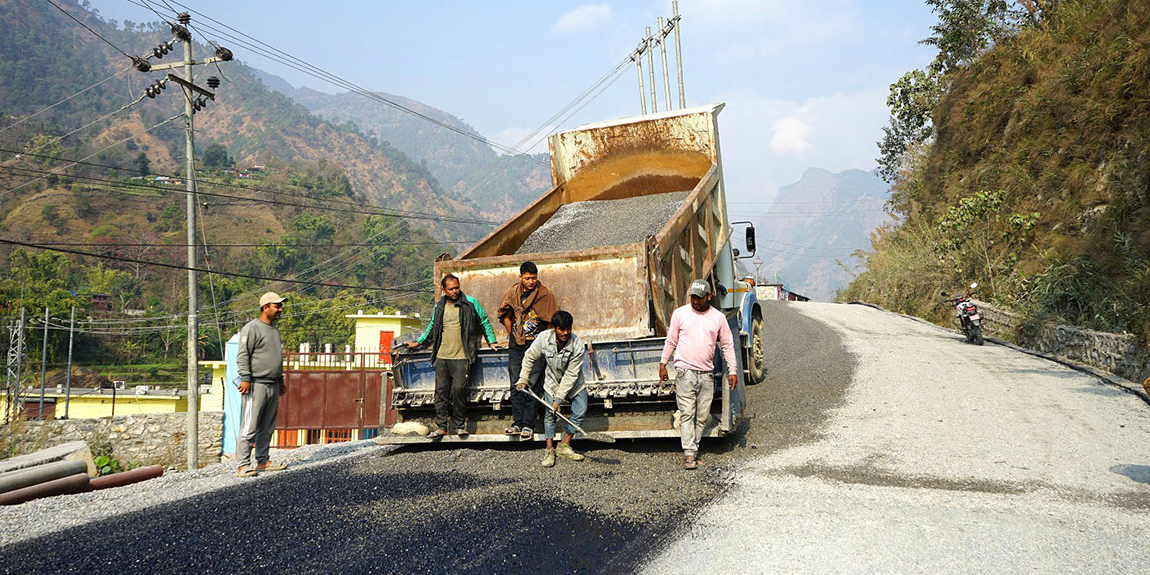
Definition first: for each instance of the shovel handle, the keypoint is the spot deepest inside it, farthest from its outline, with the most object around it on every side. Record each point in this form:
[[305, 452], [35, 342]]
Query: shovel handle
[[555, 411]]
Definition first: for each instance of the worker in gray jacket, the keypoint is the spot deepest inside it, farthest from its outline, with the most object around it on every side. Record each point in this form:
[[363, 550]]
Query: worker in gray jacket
[[260, 362], [563, 381]]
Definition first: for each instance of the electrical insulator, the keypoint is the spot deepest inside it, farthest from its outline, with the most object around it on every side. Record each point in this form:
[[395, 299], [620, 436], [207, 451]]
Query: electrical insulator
[[213, 82], [141, 64], [224, 54], [157, 52], [184, 18], [181, 32]]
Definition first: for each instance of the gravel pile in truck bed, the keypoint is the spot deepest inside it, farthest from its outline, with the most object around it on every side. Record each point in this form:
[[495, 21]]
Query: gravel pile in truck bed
[[598, 223]]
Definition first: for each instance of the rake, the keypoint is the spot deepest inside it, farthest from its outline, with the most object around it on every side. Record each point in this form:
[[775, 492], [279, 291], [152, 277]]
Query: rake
[[596, 436]]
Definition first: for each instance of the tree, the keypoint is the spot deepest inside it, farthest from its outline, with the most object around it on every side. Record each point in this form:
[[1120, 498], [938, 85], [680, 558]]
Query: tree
[[965, 30], [216, 157], [47, 149], [142, 165]]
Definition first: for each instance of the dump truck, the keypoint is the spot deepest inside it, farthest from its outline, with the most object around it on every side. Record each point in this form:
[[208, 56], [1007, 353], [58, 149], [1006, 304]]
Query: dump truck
[[637, 211]]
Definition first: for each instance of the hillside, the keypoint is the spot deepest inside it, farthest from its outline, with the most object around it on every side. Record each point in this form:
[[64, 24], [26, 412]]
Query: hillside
[[499, 185], [806, 237], [48, 56], [303, 217], [1035, 182]]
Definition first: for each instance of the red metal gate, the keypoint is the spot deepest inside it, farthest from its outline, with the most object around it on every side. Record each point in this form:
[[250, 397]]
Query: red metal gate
[[331, 394]]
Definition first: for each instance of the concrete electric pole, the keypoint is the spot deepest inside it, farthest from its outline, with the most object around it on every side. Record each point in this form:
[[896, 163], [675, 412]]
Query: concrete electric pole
[[194, 101]]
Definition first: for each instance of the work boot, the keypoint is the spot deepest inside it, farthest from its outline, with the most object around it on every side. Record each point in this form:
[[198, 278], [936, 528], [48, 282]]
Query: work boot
[[549, 458], [564, 450]]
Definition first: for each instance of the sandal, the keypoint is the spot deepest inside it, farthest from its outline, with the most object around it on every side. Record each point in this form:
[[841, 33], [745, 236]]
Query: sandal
[[437, 434], [271, 466], [527, 433], [689, 462], [513, 430]]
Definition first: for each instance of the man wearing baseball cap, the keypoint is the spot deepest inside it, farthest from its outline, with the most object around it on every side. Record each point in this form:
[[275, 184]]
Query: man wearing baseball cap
[[692, 334], [260, 361]]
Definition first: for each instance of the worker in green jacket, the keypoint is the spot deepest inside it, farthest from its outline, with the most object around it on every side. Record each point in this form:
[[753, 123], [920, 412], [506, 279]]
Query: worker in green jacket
[[456, 324]]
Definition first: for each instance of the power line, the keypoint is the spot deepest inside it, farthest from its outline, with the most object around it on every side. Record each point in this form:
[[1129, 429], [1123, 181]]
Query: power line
[[306, 245], [198, 181], [287, 59], [179, 267], [10, 190], [29, 117], [96, 121], [97, 34], [136, 186]]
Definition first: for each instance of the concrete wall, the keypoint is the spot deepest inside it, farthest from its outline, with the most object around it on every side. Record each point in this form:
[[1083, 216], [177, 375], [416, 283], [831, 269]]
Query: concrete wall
[[145, 439], [1119, 353]]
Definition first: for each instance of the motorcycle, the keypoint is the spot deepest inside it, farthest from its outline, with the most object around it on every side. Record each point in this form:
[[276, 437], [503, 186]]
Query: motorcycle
[[968, 317]]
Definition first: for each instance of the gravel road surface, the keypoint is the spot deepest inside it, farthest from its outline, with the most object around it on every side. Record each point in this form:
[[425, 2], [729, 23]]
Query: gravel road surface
[[451, 508], [945, 457]]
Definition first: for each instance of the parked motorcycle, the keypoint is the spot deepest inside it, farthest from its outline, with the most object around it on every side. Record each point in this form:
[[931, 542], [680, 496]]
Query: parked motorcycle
[[969, 320]]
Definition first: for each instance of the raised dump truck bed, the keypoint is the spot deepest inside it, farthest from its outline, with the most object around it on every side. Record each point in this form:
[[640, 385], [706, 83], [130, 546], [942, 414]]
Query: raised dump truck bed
[[621, 296]]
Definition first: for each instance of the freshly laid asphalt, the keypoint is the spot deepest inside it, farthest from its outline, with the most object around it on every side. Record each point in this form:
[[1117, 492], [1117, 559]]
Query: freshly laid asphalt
[[463, 509]]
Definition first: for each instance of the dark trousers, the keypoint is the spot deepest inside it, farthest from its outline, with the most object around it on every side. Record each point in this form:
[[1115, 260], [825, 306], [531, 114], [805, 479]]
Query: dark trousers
[[524, 409], [451, 377]]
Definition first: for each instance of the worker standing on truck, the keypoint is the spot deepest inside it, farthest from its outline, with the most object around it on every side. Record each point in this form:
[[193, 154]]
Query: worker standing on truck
[[456, 324], [524, 311], [692, 334], [260, 362], [562, 354]]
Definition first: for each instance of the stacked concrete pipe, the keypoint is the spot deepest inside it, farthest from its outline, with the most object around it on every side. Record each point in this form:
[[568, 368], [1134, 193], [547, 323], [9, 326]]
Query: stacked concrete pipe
[[64, 477], [23, 478]]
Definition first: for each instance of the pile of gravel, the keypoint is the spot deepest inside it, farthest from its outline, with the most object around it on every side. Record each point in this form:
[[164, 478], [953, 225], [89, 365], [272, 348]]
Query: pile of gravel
[[599, 223]]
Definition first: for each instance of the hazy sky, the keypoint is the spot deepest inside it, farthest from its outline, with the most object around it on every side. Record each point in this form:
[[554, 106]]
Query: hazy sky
[[805, 83]]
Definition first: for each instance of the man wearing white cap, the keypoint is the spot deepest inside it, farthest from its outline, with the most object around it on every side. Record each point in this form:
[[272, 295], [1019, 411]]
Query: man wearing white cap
[[260, 362], [692, 334]]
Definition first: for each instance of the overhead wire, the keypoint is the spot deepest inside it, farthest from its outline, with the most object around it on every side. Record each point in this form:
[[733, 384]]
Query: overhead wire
[[116, 143], [86, 27], [392, 211], [96, 121], [30, 116], [275, 54], [179, 267], [142, 186]]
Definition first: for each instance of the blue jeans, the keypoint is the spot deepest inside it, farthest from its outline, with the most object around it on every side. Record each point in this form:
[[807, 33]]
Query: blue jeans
[[578, 410]]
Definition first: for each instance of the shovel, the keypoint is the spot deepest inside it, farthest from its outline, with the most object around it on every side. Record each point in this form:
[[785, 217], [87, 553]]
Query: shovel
[[597, 436]]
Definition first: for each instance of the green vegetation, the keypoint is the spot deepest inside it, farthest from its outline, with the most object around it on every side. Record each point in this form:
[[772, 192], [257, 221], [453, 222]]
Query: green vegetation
[[1019, 160]]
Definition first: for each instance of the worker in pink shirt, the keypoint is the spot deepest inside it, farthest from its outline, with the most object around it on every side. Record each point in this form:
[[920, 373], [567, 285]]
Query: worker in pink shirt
[[691, 337]]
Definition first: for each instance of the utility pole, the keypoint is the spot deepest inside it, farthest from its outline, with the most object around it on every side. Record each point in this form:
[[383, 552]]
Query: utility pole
[[13, 374], [651, 72], [68, 377], [193, 320], [666, 72], [639, 66], [43, 365], [678, 53], [192, 104]]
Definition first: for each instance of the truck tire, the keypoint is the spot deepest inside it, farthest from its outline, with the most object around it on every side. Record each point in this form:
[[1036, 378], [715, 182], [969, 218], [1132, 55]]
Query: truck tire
[[756, 354]]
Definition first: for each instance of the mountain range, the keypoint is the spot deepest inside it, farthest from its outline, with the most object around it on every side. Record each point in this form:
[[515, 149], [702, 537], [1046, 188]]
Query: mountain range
[[808, 234]]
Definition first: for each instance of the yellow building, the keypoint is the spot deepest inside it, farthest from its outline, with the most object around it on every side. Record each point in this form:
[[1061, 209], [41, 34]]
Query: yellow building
[[91, 403], [374, 332]]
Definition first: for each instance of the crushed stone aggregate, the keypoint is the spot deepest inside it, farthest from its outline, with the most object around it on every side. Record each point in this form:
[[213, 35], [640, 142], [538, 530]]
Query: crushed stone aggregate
[[599, 223]]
